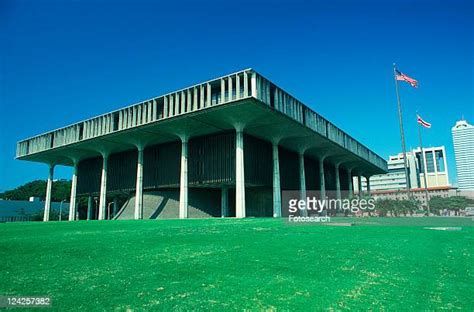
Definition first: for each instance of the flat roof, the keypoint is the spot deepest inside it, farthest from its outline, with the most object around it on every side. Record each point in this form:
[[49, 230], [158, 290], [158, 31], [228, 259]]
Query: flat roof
[[264, 109]]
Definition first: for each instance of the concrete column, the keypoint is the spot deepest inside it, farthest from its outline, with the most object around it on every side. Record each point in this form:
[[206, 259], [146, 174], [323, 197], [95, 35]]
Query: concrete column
[[304, 213], [139, 185], [276, 183], [359, 184], [103, 188], [338, 182], [349, 178], [49, 186], [183, 185], [322, 182], [115, 206], [368, 184], [90, 202], [72, 201], [224, 201], [239, 174]]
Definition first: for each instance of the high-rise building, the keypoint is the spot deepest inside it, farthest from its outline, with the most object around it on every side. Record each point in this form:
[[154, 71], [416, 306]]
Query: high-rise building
[[463, 140]]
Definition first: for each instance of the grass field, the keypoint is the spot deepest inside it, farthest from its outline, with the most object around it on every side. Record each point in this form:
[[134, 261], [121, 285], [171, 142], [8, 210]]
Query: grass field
[[255, 264]]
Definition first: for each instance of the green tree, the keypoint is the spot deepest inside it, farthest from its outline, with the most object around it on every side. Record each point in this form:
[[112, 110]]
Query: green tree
[[457, 203], [437, 204], [395, 207], [383, 206], [454, 203]]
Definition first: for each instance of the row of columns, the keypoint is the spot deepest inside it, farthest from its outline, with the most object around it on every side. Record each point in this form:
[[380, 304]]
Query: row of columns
[[183, 197], [183, 205], [183, 193]]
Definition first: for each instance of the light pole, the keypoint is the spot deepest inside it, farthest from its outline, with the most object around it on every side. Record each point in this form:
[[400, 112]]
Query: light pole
[[96, 212], [108, 210], [61, 209]]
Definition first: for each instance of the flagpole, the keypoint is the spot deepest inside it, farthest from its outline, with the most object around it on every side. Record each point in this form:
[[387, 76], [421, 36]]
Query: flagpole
[[422, 158], [402, 135]]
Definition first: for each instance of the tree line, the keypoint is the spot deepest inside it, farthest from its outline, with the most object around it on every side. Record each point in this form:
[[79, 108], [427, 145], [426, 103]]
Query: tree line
[[61, 190], [437, 205]]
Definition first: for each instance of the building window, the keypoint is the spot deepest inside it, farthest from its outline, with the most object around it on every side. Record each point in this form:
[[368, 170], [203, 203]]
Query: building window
[[421, 166], [429, 161], [439, 161]]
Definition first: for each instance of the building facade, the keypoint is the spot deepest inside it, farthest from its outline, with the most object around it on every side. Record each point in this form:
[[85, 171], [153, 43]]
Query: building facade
[[463, 141], [227, 147], [432, 163]]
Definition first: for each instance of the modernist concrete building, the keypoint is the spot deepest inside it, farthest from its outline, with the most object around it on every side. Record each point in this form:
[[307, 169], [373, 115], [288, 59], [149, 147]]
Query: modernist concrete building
[[226, 147]]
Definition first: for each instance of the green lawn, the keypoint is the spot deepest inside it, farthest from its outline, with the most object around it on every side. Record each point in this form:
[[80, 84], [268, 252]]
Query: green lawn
[[252, 264]]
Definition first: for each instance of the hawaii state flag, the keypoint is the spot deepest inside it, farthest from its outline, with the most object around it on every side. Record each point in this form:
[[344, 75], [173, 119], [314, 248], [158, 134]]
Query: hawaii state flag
[[422, 122], [403, 77]]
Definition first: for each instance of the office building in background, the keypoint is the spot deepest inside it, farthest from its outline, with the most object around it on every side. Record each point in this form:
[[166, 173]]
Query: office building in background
[[463, 140], [433, 164]]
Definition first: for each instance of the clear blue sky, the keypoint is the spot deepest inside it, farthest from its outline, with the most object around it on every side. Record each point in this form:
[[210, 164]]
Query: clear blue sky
[[63, 61]]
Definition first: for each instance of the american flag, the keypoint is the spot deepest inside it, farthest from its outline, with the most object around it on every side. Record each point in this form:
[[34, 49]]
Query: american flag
[[403, 77], [422, 122]]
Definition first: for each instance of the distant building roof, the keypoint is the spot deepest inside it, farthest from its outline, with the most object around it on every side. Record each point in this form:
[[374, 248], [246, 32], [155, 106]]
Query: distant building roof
[[460, 124]]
